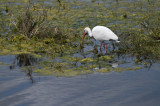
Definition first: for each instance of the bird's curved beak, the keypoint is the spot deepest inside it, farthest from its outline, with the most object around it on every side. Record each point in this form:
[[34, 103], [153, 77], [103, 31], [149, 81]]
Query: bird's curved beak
[[84, 34]]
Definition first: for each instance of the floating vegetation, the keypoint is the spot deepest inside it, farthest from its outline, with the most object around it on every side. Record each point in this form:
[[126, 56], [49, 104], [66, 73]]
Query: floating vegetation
[[44, 71], [106, 57], [88, 60], [103, 70], [137, 68], [59, 72], [1, 63], [120, 69]]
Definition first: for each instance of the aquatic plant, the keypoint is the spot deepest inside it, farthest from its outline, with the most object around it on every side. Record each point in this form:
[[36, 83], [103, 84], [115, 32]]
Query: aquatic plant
[[88, 60], [59, 66], [23, 60], [120, 69], [103, 70], [105, 58], [1, 63], [30, 23]]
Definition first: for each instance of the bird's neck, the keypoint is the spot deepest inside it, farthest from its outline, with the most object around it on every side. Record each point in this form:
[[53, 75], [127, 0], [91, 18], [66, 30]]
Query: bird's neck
[[89, 32]]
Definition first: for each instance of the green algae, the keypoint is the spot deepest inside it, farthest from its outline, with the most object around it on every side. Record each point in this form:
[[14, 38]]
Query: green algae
[[88, 60], [137, 68], [1, 63], [61, 72], [105, 58], [121, 69], [65, 73], [44, 71], [105, 70]]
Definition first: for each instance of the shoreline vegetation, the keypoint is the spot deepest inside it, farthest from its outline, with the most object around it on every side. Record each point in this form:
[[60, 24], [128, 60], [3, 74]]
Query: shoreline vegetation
[[48, 33]]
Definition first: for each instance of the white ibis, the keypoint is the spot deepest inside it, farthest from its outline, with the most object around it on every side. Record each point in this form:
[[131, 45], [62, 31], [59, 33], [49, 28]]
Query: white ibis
[[100, 33]]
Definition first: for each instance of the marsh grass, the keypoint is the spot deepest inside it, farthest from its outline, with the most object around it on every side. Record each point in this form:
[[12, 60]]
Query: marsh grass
[[29, 23], [33, 22]]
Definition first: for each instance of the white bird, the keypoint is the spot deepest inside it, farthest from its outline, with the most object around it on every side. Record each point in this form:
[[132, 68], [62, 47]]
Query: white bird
[[100, 33]]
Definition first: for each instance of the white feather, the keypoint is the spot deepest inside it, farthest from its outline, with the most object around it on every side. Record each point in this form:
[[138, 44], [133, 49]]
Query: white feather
[[103, 33]]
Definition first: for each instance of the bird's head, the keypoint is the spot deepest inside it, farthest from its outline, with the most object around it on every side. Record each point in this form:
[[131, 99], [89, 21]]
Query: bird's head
[[87, 31]]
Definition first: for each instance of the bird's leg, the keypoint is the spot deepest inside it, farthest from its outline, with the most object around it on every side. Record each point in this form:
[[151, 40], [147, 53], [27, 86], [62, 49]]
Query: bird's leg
[[101, 46], [105, 45], [113, 46]]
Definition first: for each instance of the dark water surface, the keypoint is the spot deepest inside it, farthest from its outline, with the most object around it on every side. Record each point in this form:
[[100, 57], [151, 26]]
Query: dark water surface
[[128, 88]]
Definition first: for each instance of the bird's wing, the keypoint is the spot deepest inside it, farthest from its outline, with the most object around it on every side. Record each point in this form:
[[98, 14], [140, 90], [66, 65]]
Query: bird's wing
[[103, 33]]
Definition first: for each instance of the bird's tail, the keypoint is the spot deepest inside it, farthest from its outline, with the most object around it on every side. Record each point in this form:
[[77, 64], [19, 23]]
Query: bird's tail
[[117, 40]]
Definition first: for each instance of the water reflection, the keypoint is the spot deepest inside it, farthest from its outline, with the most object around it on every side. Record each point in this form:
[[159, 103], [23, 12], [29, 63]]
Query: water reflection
[[29, 71], [22, 60]]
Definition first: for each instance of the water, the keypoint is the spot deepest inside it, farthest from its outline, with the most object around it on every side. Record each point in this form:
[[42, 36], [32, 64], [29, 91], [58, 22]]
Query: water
[[127, 88]]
